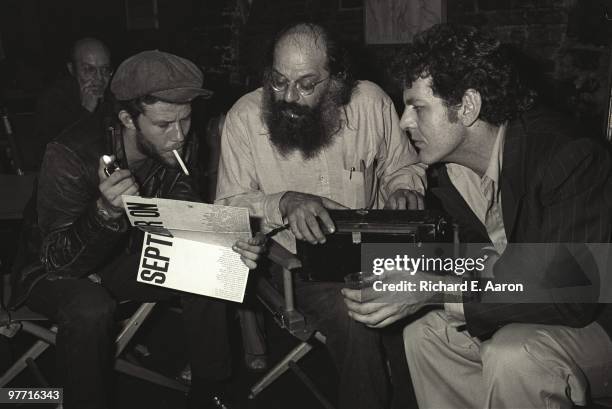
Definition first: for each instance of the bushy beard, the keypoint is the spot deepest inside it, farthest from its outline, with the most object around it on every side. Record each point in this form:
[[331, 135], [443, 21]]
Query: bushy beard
[[295, 127]]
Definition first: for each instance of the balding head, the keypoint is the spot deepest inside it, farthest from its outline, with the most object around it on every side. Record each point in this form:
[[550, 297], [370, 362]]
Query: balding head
[[310, 37], [308, 40], [89, 46], [299, 62], [91, 66]]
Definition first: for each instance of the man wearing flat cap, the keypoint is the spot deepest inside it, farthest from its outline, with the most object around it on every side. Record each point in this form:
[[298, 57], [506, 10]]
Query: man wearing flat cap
[[88, 254]]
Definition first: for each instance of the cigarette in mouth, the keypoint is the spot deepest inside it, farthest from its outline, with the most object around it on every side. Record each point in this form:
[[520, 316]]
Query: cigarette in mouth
[[180, 161]]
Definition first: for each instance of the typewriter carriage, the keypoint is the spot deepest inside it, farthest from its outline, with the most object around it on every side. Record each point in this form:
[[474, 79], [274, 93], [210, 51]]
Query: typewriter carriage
[[341, 254]]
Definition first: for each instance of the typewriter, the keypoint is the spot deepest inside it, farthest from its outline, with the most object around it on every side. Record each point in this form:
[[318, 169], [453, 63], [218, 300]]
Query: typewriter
[[341, 253]]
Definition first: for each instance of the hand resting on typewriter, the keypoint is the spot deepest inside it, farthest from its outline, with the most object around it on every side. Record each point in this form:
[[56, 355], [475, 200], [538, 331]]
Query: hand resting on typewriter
[[301, 211]]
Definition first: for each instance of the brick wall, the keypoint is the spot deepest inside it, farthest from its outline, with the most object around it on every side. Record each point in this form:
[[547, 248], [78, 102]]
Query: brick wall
[[231, 36], [567, 39], [212, 39], [268, 16]]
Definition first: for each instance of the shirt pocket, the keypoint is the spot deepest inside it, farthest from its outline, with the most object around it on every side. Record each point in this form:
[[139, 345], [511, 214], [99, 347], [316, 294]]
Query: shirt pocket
[[353, 188]]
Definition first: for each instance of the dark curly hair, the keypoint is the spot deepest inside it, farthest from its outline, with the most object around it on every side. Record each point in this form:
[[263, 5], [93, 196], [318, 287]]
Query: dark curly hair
[[458, 58]]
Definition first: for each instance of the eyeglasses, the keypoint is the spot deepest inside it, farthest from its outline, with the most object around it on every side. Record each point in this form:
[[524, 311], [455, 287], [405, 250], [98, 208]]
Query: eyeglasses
[[89, 70], [305, 86]]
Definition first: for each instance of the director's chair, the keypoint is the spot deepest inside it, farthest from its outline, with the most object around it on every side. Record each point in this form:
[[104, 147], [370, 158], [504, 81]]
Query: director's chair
[[412, 227], [282, 307], [11, 322], [15, 207]]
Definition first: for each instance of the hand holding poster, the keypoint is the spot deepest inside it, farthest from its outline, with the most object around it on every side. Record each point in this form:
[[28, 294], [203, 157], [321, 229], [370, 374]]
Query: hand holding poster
[[188, 246]]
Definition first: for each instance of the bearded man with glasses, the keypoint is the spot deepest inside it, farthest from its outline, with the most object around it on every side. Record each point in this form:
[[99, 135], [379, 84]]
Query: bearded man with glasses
[[311, 139]]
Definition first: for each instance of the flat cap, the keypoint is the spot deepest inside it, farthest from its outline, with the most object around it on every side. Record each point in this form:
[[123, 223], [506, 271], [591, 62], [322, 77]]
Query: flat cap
[[163, 75]]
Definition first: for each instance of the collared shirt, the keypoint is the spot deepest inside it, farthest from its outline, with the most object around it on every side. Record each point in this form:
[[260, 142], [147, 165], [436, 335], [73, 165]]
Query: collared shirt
[[483, 194], [369, 159]]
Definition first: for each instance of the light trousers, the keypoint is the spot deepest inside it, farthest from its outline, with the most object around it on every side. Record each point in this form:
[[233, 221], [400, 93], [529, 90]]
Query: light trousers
[[523, 366]]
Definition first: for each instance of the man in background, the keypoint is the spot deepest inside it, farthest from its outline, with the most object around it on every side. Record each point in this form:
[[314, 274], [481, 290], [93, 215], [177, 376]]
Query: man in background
[[77, 95]]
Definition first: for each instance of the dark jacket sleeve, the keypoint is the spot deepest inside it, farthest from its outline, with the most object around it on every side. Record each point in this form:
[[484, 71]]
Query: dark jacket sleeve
[[75, 241], [565, 204]]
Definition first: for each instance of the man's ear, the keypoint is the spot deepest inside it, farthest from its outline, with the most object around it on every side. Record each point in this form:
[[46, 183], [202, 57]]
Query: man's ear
[[470, 107], [126, 119], [71, 68]]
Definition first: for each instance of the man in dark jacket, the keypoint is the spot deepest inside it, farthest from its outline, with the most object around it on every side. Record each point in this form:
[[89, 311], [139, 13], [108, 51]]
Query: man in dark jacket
[[90, 254], [518, 179]]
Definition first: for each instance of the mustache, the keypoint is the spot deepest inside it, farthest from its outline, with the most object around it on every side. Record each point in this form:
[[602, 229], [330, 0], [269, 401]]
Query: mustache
[[176, 147], [285, 107]]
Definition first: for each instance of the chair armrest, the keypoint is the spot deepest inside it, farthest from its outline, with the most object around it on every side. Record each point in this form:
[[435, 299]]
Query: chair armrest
[[283, 257], [281, 303], [287, 261]]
